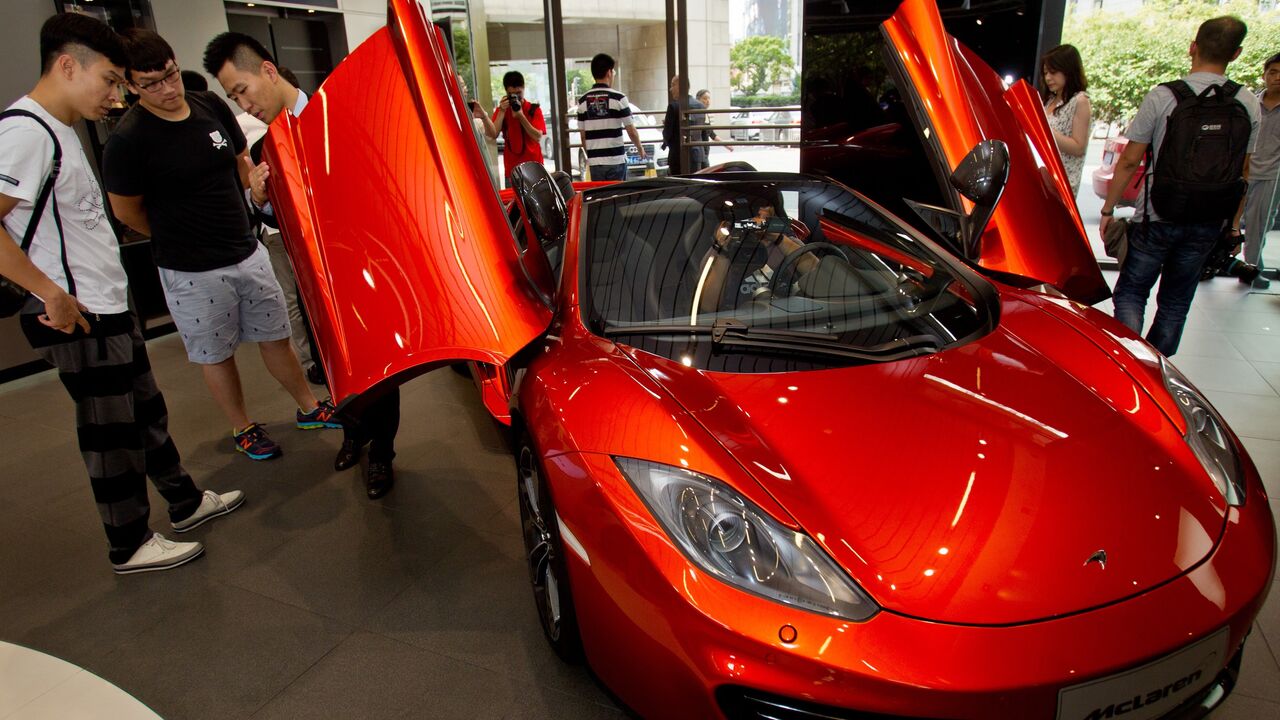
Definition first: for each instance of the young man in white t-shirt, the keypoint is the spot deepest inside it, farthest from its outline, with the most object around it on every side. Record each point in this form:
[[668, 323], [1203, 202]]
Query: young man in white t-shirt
[[78, 317]]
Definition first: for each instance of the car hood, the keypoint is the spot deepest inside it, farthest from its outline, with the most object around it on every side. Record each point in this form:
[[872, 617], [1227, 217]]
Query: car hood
[[980, 485]]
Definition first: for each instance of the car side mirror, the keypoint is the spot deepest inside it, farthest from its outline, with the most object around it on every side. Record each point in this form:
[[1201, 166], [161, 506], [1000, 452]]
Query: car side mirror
[[981, 177]]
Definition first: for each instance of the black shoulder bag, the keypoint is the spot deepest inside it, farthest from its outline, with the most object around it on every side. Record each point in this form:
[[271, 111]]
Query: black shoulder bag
[[12, 296]]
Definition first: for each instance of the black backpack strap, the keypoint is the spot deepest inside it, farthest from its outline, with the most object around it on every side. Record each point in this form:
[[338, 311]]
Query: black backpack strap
[[46, 191], [1180, 89]]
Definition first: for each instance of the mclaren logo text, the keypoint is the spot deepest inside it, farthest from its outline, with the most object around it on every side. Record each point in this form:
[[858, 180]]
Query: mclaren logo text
[[1136, 702]]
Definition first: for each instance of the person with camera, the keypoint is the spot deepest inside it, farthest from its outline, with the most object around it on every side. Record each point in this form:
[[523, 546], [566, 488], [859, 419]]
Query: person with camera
[[479, 118], [1200, 131], [521, 124], [743, 258]]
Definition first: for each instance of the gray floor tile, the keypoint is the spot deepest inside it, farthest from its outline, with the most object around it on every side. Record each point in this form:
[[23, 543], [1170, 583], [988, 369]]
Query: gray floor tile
[[1266, 456], [370, 676], [477, 607], [44, 466], [81, 612], [1236, 376], [1257, 348], [36, 552], [1270, 371], [1200, 343], [1259, 674], [44, 405], [1262, 323], [1269, 618], [1251, 415], [1243, 707], [220, 652], [353, 563]]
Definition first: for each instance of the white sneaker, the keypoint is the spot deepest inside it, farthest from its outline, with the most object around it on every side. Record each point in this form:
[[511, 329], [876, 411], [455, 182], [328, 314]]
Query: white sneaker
[[160, 553], [211, 506]]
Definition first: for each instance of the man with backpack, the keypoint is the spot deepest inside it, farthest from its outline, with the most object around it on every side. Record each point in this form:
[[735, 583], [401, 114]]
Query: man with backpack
[[1198, 133], [57, 243]]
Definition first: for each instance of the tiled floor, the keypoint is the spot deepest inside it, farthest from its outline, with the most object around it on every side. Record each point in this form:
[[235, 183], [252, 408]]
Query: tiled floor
[[314, 602]]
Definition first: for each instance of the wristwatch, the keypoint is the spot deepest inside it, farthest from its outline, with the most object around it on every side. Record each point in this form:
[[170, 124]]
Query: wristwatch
[[1104, 213]]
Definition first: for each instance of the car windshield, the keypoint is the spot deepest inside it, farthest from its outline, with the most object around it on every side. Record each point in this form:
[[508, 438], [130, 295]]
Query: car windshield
[[792, 274]]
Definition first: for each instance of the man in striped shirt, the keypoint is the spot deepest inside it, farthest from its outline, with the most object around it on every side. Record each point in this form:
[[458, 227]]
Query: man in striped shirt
[[603, 113]]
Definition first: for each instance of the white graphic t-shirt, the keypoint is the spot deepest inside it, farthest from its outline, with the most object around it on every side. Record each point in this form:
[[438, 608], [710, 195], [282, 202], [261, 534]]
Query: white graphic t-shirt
[[26, 158]]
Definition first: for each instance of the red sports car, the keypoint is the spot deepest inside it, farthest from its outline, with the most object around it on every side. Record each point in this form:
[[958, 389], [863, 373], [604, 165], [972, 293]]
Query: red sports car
[[1102, 176], [779, 453]]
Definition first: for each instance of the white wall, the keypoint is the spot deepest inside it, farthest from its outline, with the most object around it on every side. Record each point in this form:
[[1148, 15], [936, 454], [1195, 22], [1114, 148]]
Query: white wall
[[362, 18], [188, 26]]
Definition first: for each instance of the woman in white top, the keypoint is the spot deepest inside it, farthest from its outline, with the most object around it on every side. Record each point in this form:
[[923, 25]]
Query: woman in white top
[[1067, 107]]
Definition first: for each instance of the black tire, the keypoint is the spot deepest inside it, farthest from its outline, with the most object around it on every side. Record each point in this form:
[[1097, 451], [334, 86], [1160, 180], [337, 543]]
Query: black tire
[[545, 555]]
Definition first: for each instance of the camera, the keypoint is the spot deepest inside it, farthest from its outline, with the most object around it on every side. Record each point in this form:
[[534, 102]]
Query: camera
[[1222, 260], [513, 102], [772, 224]]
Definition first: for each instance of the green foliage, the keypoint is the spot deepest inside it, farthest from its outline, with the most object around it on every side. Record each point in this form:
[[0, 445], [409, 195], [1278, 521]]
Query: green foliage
[[751, 101], [584, 82], [757, 63], [1127, 55], [462, 54]]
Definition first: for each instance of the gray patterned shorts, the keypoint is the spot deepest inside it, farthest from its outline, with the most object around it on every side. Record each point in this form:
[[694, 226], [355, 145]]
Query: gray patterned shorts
[[216, 310]]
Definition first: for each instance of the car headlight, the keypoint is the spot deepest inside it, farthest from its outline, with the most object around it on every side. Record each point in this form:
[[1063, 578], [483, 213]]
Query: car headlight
[[1207, 435], [729, 537]]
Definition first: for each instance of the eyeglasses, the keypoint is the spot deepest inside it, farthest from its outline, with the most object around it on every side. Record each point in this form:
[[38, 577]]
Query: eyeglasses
[[170, 78]]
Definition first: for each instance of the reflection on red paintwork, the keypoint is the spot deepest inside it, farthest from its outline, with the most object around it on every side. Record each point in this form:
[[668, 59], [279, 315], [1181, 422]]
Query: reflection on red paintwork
[[371, 257]]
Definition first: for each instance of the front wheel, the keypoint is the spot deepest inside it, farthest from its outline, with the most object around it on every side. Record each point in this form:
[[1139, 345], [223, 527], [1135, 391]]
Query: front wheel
[[544, 554]]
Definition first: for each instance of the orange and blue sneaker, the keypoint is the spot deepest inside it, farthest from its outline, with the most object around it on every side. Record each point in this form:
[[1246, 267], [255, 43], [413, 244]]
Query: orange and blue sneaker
[[323, 416], [254, 442]]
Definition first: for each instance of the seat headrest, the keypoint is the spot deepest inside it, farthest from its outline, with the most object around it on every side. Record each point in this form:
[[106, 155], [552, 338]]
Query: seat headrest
[[540, 200], [565, 183]]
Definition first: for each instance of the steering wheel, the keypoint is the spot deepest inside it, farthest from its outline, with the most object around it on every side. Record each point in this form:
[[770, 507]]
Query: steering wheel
[[788, 263]]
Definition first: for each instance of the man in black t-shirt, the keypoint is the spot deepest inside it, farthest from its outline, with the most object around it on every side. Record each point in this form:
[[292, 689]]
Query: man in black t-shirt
[[173, 172]]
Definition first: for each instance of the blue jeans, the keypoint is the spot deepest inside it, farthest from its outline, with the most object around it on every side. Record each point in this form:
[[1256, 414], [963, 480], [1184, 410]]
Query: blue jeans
[[609, 172], [1175, 255]]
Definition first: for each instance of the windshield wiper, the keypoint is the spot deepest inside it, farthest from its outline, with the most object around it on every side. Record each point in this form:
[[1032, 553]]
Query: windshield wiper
[[732, 332]]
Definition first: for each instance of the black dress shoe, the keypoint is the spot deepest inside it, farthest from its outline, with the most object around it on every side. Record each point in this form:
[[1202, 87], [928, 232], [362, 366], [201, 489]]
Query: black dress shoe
[[378, 479], [315, 375], [348, 455]]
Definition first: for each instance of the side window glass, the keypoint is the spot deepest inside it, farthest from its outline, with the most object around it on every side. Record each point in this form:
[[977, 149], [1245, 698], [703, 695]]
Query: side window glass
[[857, 124]]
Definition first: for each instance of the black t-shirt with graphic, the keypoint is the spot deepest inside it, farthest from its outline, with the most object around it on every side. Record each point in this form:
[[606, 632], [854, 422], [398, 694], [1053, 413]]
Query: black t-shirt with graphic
[[186, 172]]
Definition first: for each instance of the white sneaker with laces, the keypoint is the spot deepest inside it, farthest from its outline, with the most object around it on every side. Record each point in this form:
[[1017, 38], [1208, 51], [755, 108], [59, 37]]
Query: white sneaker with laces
[[212, 505], [160, 553]]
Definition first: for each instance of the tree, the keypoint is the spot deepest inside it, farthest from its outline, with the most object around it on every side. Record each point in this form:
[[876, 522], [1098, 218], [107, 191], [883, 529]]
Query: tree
[[462, 54], [1126, 55], [577, 82], [757, 63]]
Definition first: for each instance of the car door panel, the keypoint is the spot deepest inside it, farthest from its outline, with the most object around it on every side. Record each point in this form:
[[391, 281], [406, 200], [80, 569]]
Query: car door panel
[[403, 257], [1036, 230]]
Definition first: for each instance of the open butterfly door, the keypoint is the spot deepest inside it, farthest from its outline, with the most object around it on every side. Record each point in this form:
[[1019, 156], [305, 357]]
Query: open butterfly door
[[403, 256]]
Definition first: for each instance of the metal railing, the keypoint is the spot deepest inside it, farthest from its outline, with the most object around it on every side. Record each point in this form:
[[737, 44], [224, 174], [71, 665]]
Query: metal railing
[[782, 127], [576, 148]]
